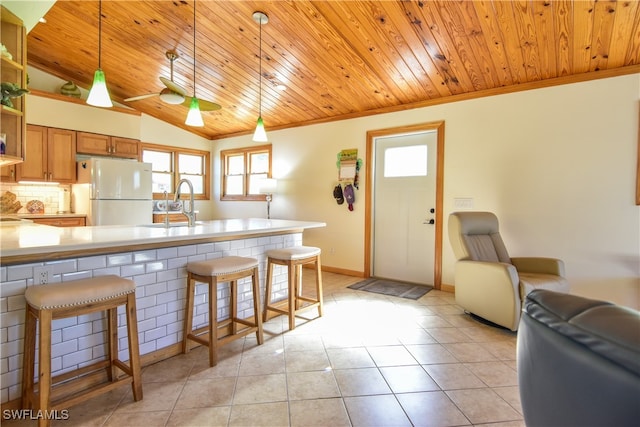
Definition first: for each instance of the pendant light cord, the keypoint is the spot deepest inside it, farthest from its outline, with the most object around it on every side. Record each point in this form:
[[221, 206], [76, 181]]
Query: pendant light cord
[[260, 70], [99, 34], [194, 48]]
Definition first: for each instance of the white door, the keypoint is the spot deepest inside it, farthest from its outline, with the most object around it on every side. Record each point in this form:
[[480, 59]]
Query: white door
[[404, 202]]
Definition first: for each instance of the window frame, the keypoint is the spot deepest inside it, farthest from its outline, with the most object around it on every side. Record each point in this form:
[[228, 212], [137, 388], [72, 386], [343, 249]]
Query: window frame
[[175, 175], [246, 152]]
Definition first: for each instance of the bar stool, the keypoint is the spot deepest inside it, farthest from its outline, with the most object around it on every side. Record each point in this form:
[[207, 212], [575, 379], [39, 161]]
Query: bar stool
[[294, 258], [70, 299], [226, 269]]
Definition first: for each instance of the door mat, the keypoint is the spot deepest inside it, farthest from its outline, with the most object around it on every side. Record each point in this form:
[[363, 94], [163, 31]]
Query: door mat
[[392, 288]]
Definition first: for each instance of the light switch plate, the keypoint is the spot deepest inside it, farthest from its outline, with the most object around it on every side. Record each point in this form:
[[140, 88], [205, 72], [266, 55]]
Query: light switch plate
[[463, 203]]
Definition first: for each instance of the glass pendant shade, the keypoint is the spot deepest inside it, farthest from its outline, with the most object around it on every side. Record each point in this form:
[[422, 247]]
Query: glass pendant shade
[[260, 135], [99, 94], [194, 116]]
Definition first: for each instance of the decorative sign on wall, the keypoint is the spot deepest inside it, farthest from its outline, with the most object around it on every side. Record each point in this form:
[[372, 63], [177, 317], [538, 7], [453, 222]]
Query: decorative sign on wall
[[348, 171]]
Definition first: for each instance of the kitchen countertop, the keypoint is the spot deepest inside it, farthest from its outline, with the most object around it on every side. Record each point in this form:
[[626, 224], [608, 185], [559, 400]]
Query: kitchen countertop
[[29, 242]]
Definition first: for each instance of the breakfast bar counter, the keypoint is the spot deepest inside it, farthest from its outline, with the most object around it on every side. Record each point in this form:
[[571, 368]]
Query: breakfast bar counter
[[29, 242], [153, 256]]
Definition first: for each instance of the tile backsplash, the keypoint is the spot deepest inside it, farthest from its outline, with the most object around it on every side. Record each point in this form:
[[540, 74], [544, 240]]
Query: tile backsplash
[[47, 194]]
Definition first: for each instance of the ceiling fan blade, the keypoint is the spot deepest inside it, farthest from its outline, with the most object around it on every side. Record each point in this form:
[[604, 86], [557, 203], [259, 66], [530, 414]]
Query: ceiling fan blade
[[171, 85], [204, 104], [140, 97]]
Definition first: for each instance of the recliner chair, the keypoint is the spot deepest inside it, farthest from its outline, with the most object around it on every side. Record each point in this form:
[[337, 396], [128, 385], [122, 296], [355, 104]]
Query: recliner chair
[[488, 282]]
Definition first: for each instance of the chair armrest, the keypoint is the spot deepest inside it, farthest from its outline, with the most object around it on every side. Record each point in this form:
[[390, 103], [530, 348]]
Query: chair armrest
[[492, 274], [539, 265], [490, 290]]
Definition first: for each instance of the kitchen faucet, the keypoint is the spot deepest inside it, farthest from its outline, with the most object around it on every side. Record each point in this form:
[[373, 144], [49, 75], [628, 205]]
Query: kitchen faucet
[[191, 214]]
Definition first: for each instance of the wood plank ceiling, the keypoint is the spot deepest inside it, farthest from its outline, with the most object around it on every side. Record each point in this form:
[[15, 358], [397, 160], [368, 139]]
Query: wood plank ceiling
[[337, 59]]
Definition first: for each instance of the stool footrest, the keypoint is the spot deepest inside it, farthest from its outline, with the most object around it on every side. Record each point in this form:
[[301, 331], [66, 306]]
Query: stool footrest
[[90, 393]]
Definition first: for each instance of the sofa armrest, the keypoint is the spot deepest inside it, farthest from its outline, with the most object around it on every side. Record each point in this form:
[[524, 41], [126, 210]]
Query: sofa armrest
[[539, 265]]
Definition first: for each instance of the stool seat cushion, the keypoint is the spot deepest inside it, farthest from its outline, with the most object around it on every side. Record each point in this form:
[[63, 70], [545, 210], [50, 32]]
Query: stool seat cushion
[[293, 253], [78, 292], [220, 266]]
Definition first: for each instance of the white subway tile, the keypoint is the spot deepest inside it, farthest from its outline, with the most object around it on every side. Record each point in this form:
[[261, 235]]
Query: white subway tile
[[91, 263]]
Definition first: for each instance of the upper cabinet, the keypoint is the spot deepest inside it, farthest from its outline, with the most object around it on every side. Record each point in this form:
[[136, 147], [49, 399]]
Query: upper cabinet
[[49, 156], [105, 145], [13, 61]]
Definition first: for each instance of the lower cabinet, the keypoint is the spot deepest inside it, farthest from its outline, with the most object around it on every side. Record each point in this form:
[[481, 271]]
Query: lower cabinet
[[173, 217], [62, 222]]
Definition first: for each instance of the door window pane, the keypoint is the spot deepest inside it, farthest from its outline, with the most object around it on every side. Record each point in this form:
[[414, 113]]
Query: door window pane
[[405, 161]]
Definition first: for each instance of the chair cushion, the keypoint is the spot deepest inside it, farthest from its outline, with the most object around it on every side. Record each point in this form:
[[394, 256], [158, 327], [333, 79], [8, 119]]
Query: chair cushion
[[78, 292], [220, 266], [531, 281], [293, 253]]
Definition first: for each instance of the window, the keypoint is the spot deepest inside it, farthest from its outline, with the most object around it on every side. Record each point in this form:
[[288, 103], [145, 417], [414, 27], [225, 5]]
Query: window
[[171, 164], [405, 161], [242, 171]]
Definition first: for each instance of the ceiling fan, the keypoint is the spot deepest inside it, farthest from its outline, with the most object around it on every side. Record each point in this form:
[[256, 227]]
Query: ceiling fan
[[173, 93]]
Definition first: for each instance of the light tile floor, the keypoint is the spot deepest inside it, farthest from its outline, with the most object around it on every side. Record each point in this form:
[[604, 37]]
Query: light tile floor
[[371, 360]]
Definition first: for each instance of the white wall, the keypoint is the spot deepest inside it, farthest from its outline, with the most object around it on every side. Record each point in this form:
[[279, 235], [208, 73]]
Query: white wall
[[557, 165]]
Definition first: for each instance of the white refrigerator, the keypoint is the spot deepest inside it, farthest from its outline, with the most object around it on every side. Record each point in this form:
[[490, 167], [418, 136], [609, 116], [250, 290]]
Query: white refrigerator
[[113, 192]]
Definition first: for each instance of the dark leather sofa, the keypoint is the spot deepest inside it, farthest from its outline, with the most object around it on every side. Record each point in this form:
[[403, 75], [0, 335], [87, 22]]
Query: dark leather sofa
[[578, 362]]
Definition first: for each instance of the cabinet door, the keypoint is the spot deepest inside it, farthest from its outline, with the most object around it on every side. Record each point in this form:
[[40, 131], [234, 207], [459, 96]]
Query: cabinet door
[[124, 147], [61, 147], [34, 167], [61, 222], [93, 143], [8, 173]]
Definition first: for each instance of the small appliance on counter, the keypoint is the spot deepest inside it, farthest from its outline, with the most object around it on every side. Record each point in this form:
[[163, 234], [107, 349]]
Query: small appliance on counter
[[113, 192]]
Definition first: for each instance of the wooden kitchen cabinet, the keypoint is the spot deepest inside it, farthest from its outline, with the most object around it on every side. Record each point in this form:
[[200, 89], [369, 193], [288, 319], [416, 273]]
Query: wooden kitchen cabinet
[[13, 70], [61, 222], [8, 173], [50, 156], [173, 217], [105, 145]]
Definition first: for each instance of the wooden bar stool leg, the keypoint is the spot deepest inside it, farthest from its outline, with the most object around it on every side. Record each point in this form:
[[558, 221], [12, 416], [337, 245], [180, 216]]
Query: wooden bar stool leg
[[233, 302], [298, 268], [28, 361], [319, 285], [256, 304], [188, 315], [112, 341], [44, 366], [267, 292], [134, 349], [292, 273], [213, 321]]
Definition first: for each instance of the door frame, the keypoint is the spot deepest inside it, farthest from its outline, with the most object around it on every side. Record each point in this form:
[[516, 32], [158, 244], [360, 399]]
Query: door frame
[[368, 216]]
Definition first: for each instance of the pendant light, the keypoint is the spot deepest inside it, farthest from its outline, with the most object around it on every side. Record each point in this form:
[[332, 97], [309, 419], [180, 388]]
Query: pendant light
[[194, 116], [260, 135], [99, 94]]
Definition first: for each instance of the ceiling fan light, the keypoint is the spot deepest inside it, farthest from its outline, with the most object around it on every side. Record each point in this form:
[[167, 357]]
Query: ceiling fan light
[[260, 135], [170, 97], [99, 94], [194, 116]]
